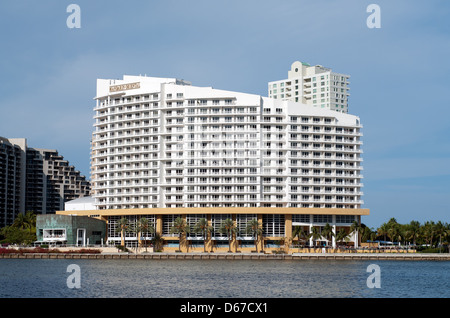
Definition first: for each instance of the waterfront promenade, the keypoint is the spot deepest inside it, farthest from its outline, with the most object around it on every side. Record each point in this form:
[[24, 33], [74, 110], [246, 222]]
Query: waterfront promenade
[[236, 256]]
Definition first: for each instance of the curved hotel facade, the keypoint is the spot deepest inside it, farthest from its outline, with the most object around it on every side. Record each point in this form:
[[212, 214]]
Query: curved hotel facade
[[163, 149]]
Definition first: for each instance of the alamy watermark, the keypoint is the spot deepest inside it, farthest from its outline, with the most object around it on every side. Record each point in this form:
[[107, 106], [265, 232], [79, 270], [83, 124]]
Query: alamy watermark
[[374, 19], [374, 279], [74, 19], [74, 279]]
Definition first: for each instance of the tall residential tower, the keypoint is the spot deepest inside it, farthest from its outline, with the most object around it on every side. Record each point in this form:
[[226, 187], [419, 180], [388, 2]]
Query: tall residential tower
[[12, 179], [313, 85], [37, 180]]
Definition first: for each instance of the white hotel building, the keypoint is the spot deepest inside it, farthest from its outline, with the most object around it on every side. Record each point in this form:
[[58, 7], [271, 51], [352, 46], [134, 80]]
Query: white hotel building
[[164, 148]]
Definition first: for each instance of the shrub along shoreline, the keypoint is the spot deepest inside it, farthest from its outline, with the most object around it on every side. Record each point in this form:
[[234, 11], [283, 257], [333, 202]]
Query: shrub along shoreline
[[41, 250]]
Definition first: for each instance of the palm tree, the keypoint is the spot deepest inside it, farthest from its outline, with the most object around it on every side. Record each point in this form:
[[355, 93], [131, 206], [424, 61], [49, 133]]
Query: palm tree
[[366, 233], [30, 220], [428, 232], [327, 232], [20, 222], [394, 230], [144, 226], [204, 228], [394, 233], [356, 229], [315, 234], [373, 234], [229, 228], [383, 230], [254, 228], [440, 230], [300, 233], [342, 235], [157, 242], [179, 227], [123, 227], [412, 231]]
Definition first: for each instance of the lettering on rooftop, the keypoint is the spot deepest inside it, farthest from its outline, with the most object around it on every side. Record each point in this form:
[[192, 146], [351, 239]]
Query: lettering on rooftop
[[124, 87]]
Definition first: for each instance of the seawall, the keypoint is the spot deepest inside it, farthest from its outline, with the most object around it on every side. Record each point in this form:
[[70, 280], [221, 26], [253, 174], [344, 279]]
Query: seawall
[[235, 256]]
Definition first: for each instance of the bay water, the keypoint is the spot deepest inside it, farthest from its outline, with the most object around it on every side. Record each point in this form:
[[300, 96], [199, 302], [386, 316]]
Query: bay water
[[127, 278]]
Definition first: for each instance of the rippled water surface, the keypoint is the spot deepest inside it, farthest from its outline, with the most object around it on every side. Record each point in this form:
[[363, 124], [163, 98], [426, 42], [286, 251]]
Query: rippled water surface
[[29, 278]]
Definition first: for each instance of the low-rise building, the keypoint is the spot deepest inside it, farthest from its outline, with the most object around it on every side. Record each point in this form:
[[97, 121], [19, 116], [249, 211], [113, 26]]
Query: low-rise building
[[70, 230]]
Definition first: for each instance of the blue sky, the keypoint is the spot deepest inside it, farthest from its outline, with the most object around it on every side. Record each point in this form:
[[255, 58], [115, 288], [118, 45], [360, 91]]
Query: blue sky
[[400, 75]]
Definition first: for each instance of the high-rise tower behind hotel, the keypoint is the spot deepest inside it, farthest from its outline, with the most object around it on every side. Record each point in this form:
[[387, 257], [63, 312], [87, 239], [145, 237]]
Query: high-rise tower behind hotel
[[317, 86]]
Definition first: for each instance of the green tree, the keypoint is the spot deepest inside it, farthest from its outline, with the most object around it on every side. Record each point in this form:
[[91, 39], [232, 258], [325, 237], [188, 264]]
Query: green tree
[[123, 227], [440, 231], [180, 227], [342, 235], [368, 234], [22, 231], [356, 229], [412, 231], [144, 225], [300, 233], [229, 228], [157, 242], [315, 234], [30, 219], [327, 232], [429, 232], [16, 235], [204, 228], [255, 229], [20, 222], [394, 230], [383, 230]]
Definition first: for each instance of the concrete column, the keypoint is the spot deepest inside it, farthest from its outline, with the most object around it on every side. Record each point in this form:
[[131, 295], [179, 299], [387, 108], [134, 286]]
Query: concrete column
[[287, 231], [261, 242], [209, 242], [184, 244], [333, 239], [234, 242], [158, 228]]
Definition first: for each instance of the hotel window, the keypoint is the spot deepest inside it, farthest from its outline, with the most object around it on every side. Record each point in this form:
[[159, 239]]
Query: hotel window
[[113, 221], [273, 225], [191, 221], [152, 221], [216, 222], [322, 218], [167, 223], [345, 219], [301, 218], [241, 224]]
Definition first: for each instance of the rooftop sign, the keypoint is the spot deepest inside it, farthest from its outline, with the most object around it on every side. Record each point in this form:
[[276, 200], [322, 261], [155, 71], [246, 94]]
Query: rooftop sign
[[124, 87]]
